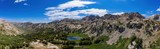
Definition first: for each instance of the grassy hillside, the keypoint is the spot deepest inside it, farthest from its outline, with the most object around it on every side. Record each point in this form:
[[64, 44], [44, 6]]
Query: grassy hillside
[[12, 42]]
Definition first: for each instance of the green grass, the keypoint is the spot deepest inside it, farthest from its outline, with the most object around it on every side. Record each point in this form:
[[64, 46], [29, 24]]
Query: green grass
[[78, 34], [100, 46], [121, 44], [155, 45], [103, 38], [11, 41]]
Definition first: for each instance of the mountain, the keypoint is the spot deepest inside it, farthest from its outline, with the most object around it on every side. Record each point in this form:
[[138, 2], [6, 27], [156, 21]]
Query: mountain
[[132, 28], [155, 17], [7, 28], [88, 23]]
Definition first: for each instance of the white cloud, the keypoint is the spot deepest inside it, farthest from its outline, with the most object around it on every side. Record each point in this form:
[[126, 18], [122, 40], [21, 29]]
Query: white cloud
[[72, 4], [144, 15], [147, 15], [18, 1], [61, 12], [75, 3], [118, 13], [93, 11], [25, 4], [158, 9]]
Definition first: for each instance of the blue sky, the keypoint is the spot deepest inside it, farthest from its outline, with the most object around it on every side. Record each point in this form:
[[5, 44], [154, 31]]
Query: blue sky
[[50, 10]]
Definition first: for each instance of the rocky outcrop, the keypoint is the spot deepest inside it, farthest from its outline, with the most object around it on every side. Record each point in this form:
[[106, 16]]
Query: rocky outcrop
[[155, 17], [39, 45], [7, 28]]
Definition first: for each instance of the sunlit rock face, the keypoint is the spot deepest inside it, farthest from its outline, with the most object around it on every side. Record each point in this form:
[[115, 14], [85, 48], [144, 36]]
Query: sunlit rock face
[[7, 28]]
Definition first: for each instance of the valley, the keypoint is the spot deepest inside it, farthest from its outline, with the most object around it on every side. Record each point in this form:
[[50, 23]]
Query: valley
[[126, 31]]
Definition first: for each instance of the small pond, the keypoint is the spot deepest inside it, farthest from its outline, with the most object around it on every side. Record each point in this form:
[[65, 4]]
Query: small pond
[[72, 38]]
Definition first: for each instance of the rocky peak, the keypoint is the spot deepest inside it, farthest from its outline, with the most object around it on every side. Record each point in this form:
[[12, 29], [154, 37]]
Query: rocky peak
[[67, 20], [155, 17], [128, 16], [132, 15], [90, 18], [109, 17]]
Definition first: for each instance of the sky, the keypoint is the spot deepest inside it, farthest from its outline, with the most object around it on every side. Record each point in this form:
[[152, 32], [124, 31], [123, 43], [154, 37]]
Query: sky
[[49, 10]]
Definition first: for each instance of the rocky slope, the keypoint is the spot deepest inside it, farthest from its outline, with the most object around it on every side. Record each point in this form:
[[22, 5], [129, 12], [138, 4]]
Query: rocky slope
[[155, 17], [7, 28], [113, 26]]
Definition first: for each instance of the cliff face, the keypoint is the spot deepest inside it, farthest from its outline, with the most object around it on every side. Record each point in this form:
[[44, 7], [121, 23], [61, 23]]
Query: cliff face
[[7, 28], [113, 26]]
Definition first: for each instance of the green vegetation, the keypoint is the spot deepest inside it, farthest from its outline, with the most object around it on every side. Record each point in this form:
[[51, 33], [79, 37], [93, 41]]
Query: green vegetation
[[100, 42], [155, 45], [1, 28], [121, 43], [13, 42], [78, 34], [60, 38]]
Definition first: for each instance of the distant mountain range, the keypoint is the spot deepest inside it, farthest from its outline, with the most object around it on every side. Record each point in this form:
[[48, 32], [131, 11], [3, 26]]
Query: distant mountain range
[[115, 27]]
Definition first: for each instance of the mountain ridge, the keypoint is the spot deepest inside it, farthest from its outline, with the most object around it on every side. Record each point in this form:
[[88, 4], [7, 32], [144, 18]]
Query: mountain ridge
[[114, 26]]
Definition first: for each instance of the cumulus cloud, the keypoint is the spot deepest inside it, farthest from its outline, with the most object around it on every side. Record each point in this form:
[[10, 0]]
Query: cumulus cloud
[[118, 13], [158, 9], [18, 1], [61, 12], [75, 3]]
